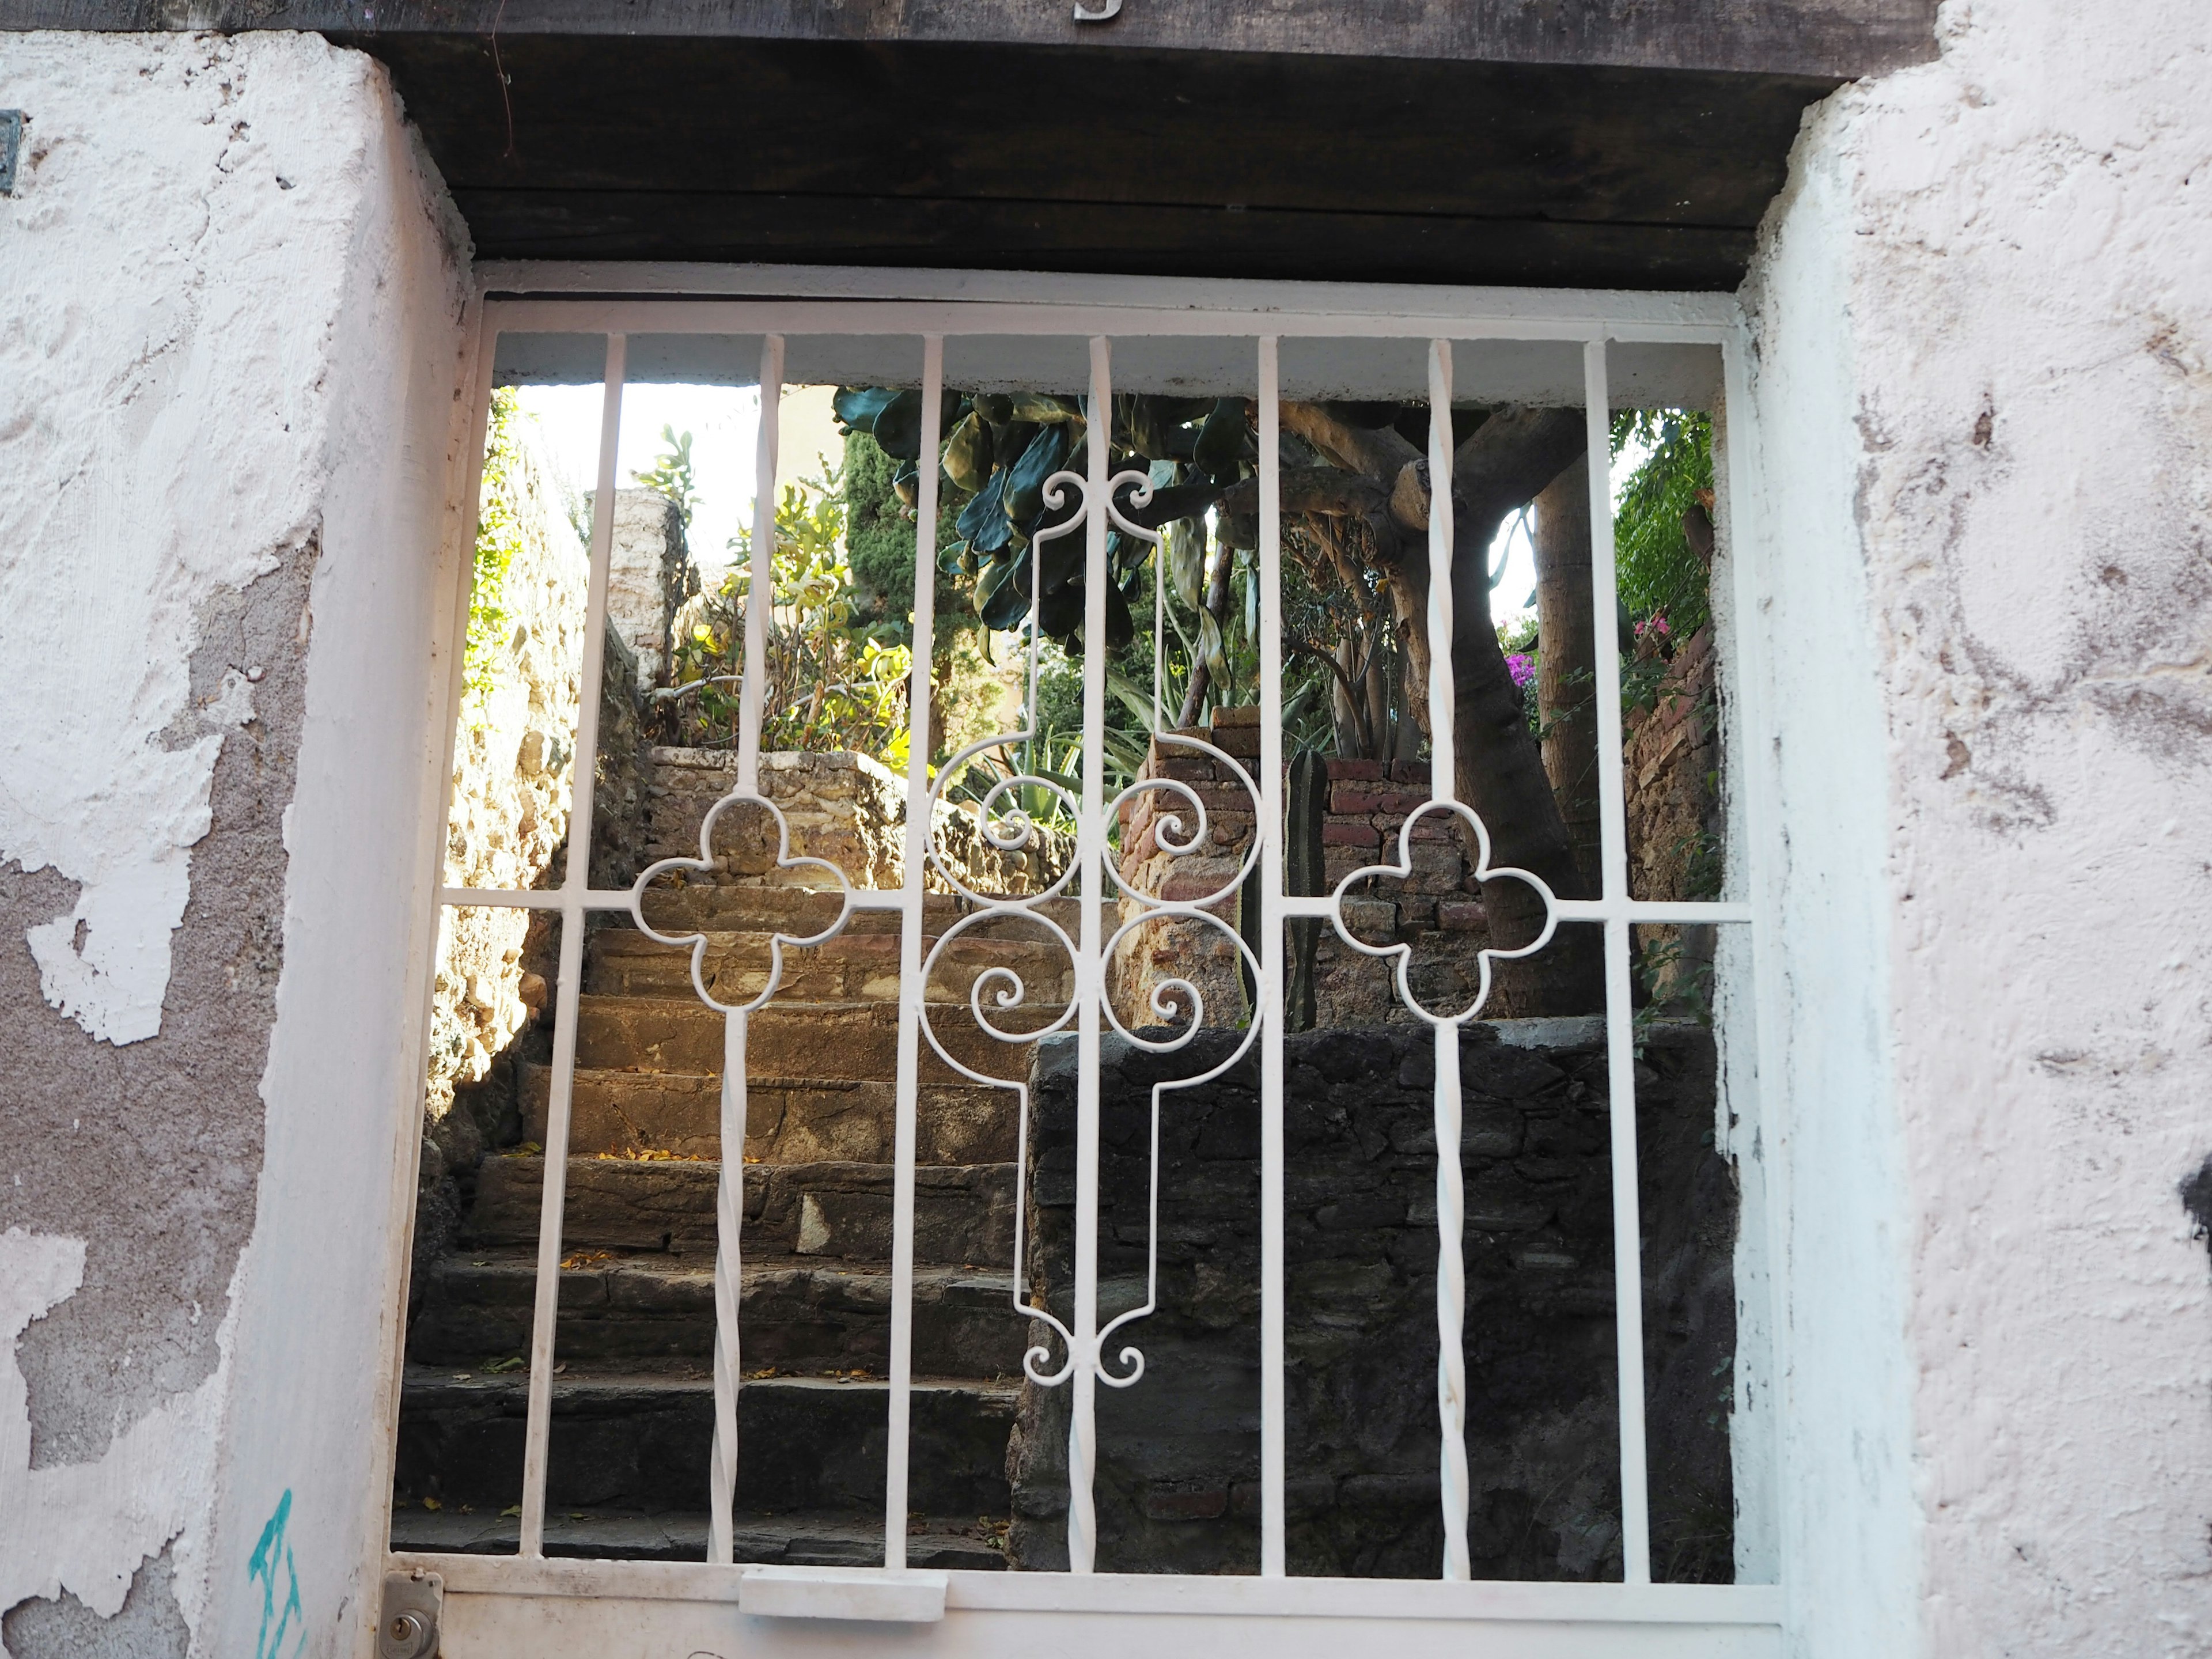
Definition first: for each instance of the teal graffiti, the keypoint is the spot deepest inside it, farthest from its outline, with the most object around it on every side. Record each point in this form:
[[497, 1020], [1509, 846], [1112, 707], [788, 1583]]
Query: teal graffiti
[[283, 1621]]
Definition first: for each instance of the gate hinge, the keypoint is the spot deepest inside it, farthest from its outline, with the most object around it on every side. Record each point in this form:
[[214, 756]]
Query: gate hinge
[[413, 1607]]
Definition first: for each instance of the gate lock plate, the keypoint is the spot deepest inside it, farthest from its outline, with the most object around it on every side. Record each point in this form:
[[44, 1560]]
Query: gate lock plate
[[414, 1606]]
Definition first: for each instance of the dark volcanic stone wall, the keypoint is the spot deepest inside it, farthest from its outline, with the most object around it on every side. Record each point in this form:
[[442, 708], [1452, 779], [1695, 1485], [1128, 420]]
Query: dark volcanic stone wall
[[1177, 1487]]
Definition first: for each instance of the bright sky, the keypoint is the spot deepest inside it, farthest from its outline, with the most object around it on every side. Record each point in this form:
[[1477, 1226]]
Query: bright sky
[[724, 422]]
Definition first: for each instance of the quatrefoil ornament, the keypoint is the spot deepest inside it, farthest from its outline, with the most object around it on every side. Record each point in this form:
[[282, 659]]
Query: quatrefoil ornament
[[1484, 874], [705, 864]]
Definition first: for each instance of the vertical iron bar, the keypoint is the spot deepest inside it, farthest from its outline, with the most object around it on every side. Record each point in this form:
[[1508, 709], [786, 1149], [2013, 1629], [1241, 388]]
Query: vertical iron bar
[[760, 596], [1620, 1054], [1451, 1210], [729, 1286], [730, 1186], [1272, 1161], [905, 1123], [1089, 860], [583, 773]]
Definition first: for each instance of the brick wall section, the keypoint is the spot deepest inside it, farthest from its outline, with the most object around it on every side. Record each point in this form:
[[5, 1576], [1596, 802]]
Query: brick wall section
[[1437, 909], [1672, 754]]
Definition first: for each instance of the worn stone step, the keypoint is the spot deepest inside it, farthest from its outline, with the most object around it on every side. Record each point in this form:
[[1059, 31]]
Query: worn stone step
[[794, 1314], [853, 966], [855, 1041], [639, 1440], [711, 907], [963, 1213], [807, 1539], [788, 1121]]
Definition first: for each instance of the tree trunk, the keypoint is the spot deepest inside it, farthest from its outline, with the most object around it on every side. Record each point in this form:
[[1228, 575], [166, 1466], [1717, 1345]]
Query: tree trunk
[[1567, 671], [1500, 770]]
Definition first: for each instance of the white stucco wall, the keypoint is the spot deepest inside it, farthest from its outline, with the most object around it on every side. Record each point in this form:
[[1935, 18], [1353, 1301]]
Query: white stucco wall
[[233, 339], [1983, 316]]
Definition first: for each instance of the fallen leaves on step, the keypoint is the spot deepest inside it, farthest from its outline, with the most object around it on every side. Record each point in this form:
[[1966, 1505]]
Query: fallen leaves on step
[[432, 1504]]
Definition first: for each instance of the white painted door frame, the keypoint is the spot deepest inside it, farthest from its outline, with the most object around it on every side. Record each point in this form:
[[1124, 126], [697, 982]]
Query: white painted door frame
[[1303, 339]]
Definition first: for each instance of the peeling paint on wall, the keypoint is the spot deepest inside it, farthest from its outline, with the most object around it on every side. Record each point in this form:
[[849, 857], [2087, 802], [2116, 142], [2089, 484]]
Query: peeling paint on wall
[[84, 1529], [228, 384]]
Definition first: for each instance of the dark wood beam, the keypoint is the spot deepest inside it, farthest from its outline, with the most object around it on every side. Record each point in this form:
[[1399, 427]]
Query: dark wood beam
[[1838, 39], [1143, 162]]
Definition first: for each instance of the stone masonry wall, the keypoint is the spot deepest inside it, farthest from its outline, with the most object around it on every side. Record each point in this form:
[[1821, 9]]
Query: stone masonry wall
[[847, 808], [649, 575], [508, 827]]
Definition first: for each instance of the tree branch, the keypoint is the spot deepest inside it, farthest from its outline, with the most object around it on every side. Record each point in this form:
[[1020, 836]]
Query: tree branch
[[1380, 453]]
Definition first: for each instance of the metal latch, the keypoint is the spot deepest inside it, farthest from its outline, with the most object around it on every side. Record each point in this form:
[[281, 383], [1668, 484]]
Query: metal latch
[[414, 1605], [11, 141]]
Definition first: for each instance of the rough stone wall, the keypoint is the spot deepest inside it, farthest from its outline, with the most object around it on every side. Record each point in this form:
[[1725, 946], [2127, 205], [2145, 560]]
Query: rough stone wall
[[228, 372], [649, 574], [845, 807], [514, 760], [1178, 1454], [1981, 378]]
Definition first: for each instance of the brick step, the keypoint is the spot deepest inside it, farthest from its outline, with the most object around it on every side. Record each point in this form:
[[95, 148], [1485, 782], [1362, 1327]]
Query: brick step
[[639, 1440], [853, 966], [794, 1314], [821, 1539], [840, 1041], [788, 1121], [963, 1213], [708, 907]]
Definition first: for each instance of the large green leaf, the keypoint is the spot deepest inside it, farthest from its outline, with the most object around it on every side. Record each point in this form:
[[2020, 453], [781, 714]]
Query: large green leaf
[[1060, 610], [1046, 406], [1002, 594], [897, 430], [1025, 479], [856, 407], [1209, 648], [1185, 562], [982, 522], [968, 453]]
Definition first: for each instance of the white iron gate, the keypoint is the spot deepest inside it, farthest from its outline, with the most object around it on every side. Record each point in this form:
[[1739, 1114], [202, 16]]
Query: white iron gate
[[899, 330]]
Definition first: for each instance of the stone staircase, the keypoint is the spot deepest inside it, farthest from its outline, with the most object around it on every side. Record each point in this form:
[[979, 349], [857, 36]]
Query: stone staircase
[[633, 1389]]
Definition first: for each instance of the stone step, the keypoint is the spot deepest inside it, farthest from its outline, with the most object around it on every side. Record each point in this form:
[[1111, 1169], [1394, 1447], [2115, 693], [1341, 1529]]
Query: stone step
[[834, 1040], [852, 967], [963, 1213], [639, 1440], [826, 1538], [788, 1121], [794, 1314], [709, 907]]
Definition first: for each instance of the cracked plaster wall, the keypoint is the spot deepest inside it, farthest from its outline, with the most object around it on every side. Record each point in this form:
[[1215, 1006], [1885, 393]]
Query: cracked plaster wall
[[1983, 324], [227, 414]]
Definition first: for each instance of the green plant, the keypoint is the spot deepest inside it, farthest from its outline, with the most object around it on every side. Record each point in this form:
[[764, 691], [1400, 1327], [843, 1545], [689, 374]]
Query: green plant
[[670, 473], [829, 682], [1659, 573], [499, 538]]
